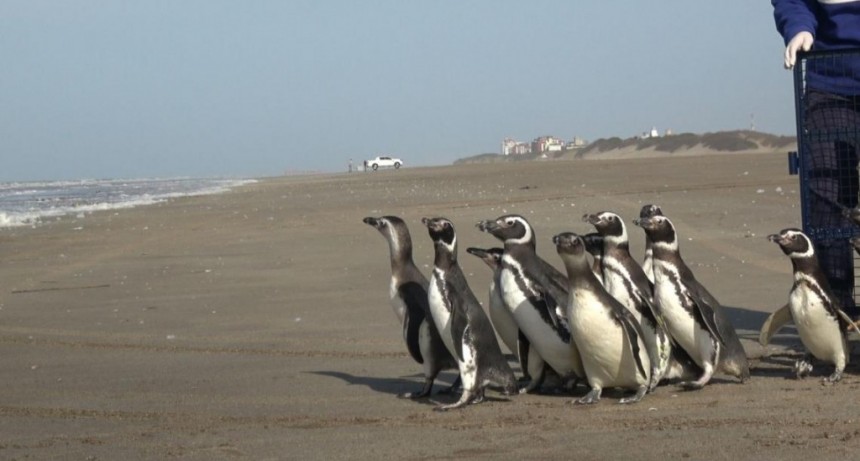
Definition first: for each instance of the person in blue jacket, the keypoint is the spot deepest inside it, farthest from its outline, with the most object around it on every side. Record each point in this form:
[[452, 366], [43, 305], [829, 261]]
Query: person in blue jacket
[[831, 105]]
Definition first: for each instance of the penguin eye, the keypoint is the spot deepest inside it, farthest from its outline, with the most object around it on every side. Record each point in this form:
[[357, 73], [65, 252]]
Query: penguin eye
[[446, 224], [509, 222]]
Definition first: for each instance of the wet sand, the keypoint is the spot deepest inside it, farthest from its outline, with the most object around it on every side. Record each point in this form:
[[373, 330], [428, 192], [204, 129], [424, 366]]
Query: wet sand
[[255, 324]]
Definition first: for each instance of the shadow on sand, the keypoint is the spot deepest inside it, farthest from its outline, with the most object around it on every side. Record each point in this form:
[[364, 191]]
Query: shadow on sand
[[397, 386], [748, 324]]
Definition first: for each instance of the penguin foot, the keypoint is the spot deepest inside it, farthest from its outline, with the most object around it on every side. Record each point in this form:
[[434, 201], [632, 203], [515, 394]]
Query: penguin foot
[[452, 388], [708, 372], [479, 397], [592, 397], [411, 395], [532, 387], [832, 379], [691, 385], [639, 394], [465, 399], [425, 392], [802, 368]]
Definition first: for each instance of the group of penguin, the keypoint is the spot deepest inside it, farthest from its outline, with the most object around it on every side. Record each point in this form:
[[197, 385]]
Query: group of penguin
[[609, 322]]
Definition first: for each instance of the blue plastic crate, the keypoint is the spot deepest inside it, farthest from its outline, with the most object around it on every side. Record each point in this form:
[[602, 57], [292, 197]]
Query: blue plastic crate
[[842, 135], [827, 109]]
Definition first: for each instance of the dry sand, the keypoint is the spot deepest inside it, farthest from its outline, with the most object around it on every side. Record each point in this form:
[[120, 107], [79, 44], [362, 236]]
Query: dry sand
[[255, 324]]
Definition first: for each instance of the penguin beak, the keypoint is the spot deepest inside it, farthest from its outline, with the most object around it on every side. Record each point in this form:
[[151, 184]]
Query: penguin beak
[[486, 225], [479, 252], [371, 221], [642, 222], [592, 219], [425, 221], [775, 238]]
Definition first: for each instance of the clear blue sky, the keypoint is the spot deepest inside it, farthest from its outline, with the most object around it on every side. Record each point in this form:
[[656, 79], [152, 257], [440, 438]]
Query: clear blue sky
[[121, 89]]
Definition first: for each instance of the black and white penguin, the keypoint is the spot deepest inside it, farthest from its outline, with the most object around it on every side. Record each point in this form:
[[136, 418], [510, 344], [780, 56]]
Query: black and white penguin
[[462, 321], [821, 324], [408, 295], [609, 338], [536, 294], [625, 280], [594, 247], [694, 318], [501, 318], [648, 211]]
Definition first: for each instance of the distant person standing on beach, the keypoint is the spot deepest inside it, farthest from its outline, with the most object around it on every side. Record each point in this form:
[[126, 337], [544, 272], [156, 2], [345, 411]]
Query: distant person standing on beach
[[832, 110]]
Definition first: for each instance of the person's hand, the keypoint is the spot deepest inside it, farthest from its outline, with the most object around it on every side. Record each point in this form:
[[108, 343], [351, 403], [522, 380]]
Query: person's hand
[[801, 41]]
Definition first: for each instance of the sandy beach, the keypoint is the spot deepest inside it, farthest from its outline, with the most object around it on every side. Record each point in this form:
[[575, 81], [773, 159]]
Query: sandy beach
[[255, 324]]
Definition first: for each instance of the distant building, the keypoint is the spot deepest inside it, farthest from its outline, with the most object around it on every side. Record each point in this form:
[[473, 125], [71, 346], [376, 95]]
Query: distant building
[[650, 134], [540, 145], [547, 144], [575, 143], [513, 147]]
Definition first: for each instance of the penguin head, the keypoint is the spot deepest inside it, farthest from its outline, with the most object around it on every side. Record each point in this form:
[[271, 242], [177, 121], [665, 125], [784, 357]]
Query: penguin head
[[659, 228], [569, 243], [608, 224], [394, 229], [509, 229], [650, 210], [441, 231], [593, 244], [491, 256], [793, 242]]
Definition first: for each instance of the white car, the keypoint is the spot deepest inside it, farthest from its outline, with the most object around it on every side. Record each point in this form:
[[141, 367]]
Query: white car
[[384, 162]]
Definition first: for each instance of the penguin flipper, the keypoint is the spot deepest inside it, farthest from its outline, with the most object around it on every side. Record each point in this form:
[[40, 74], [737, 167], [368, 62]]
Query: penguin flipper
[[774, 322], [523, 346], [633, 331], [847, 323], [706, 307], [415, 298], [459, 322]]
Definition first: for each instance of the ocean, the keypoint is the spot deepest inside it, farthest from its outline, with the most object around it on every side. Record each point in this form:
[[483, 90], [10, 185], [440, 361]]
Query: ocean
[[35, 203]]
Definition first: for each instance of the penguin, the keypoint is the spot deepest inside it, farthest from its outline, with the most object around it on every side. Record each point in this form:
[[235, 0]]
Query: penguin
[[408, 295], [594, 247], [462, 322], [821, 324], [648, 211], [536, 294], [694, 318], [501, 318], [625, 280], [608, 336]]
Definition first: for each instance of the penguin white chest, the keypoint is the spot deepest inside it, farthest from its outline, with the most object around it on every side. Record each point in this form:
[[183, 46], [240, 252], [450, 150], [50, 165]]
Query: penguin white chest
[[502, 319], [606, 353], [551, 348], [818, 330], [440, 309], [616, 280], [396, 301], [672, 298]]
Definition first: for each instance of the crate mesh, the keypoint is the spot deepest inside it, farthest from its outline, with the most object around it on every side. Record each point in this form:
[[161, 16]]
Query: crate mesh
[[827, 96]]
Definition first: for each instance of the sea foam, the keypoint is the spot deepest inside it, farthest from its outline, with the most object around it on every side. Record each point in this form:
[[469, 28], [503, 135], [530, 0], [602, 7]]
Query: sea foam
[[33, 203]]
